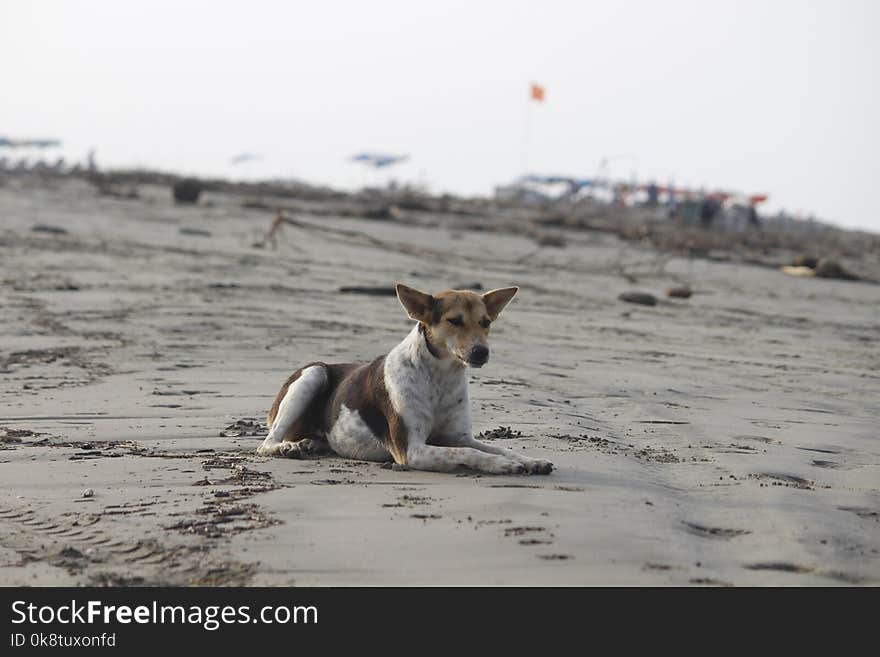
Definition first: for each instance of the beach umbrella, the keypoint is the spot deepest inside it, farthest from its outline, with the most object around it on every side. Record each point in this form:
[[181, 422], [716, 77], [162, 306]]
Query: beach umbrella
[[28, 143], [241, 158], [378, 160]]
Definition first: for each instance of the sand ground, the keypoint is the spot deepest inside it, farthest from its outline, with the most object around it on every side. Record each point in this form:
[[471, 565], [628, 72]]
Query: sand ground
[[730, 438]]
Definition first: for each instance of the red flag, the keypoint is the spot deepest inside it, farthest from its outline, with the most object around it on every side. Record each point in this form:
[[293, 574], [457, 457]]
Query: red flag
[[537, 93]]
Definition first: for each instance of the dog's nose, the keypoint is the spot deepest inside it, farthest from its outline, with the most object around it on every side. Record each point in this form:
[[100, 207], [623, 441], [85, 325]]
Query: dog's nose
[[479, 355]]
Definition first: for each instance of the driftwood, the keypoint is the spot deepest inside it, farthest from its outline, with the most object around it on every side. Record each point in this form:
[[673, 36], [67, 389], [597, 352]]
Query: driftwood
[[382, 291], [641, 298], [360, 236]]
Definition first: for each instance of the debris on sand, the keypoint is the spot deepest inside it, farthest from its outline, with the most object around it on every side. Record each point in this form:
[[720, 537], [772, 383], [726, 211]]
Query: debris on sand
[[501, 433], [409, 501], [113, 580], [519, 531], [386, 291], [547, 238], [682, 292], [810, 266], [88, 492], [8, 435], [714, 532], [271, 236], [379, 291], [70, 558], [798, 270], [827, 268], [780, 566], [220, 518], [805, 261], [244, 427], [195, 231], [708, 581], [123, 194], [641, 298], [382, 212], [51, 230], [256, 205], [187, 190], [786, 480]]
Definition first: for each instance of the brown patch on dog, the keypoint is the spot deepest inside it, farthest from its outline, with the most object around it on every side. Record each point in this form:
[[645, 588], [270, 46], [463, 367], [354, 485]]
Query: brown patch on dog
[[432, 349], [311, 423], [397, 439], [364, 391]]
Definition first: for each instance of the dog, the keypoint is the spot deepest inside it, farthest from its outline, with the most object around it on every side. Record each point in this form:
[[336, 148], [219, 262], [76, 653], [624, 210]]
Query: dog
[[410, 406]]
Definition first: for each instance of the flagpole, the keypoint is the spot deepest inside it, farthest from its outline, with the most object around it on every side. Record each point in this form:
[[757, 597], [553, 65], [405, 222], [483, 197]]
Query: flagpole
[[527, 134]]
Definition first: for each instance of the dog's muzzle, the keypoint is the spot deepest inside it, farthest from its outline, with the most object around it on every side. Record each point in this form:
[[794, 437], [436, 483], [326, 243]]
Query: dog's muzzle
[[478, 356]]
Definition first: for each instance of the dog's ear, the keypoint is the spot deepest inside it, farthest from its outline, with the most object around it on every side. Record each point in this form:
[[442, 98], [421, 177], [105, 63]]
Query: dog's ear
[[418, 305], [495, 300]]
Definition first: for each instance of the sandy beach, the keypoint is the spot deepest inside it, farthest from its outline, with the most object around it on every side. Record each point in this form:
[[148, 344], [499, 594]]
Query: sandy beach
[[730, 438]]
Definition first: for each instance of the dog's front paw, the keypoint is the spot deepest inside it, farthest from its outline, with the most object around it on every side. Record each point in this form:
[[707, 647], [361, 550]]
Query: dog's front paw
[[267, 448], [272, 447], [538, 466]]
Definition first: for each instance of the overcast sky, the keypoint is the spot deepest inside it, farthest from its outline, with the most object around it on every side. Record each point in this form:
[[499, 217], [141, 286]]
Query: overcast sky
[[768, 96]]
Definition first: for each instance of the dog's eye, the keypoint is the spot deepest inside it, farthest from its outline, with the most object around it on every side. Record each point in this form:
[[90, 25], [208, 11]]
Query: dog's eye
[[456, 321], [485, 322]]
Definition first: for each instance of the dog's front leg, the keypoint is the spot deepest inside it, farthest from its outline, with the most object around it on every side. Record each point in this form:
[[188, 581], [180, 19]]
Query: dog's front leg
[[411, 443], [466, 441], [448, 459]]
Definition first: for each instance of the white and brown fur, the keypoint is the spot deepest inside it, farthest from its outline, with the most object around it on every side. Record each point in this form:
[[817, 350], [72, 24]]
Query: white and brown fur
[[411, 405]]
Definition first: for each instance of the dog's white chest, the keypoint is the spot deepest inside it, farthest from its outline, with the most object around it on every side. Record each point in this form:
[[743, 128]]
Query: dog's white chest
[[447, 400], [431, 397]]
